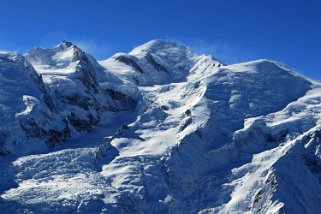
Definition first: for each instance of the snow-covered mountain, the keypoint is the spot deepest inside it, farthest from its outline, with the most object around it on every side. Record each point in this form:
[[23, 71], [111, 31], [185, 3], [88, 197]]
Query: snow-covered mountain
[[156, 130]]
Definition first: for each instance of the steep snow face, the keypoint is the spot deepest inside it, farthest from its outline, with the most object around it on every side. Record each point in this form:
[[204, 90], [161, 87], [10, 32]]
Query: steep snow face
[[205, 158], [276, 161], [186, 123], [204, 137], [15, 70], [246, 90], [26, 108]]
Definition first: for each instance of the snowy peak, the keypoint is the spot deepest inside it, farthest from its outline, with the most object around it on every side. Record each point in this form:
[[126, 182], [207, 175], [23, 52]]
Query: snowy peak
[[62, 58], [160, 62], [168, 51], [162, 53], [159, 46]]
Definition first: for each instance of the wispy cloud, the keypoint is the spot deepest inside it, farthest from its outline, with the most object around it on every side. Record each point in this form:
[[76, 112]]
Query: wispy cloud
[[98, 49], [225, 51], [7, 46], [52, 38]]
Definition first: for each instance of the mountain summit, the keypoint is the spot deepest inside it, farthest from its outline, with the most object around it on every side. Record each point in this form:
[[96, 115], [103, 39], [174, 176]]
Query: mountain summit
[[156, 130]]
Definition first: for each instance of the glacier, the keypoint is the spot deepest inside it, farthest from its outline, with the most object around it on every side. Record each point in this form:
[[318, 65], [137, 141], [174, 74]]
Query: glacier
[[156, 130]]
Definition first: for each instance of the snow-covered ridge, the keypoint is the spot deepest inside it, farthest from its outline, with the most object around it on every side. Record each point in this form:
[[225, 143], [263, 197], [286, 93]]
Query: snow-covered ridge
[[157, 62], [156, 130], [60, 59]]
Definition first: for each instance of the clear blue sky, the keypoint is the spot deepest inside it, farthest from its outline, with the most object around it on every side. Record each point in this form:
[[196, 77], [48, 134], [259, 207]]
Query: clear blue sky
[[288, 31]]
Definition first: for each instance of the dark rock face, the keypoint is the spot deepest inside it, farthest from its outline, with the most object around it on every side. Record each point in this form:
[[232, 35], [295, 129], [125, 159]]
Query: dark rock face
[[159, 67], [129, 61], [3, 136], [122, 101], [51, 136], [67, 43], [83, 125], [81, 101], [312, 158], [88, 74]]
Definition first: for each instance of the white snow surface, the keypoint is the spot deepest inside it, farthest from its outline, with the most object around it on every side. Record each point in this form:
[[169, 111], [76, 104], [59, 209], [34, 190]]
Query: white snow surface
[[177, 133]]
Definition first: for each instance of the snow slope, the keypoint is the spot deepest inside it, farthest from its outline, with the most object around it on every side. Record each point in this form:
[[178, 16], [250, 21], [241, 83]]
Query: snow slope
[[26, 108], [177, 133]]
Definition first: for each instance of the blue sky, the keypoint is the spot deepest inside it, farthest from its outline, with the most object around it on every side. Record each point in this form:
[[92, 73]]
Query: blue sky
[[288, 31]]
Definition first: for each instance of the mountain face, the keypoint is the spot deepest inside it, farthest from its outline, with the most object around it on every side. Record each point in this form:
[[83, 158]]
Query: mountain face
[[156, 130]]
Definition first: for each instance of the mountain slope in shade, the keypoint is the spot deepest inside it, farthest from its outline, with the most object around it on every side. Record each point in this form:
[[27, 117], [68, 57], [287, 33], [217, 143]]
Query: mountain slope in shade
[[160, 130], [27, 110]]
